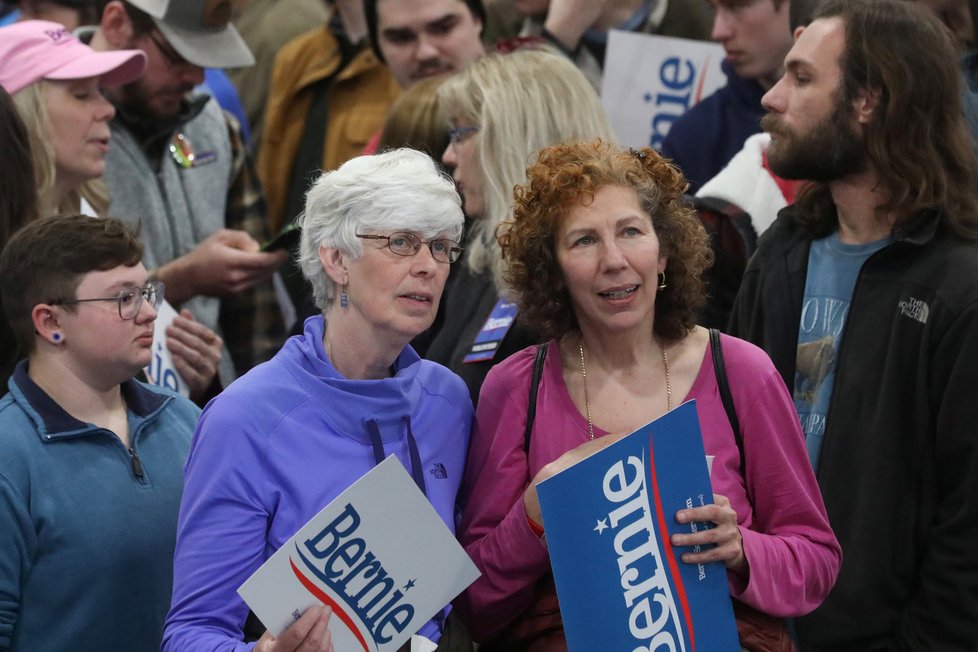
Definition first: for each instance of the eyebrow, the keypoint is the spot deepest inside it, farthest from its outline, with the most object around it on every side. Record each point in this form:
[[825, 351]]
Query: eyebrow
[[119, 286], [444, 21], [403, 30], [625, 220], [794, 65]]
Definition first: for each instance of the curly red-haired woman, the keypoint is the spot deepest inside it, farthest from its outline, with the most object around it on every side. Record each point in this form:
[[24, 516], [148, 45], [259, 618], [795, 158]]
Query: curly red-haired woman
[[605, 258]]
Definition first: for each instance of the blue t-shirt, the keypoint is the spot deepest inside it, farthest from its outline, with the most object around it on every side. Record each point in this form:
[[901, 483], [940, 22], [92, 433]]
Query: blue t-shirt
[[833, 267]]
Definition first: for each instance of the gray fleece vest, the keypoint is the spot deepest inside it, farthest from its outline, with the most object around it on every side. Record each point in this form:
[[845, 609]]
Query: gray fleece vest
[[177, 207]]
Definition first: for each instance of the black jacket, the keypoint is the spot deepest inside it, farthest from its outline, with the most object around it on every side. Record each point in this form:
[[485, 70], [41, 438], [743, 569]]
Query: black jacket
[[468, 301], [899, 461]]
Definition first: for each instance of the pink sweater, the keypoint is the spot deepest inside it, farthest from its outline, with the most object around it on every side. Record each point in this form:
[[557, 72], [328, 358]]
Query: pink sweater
[[793, 555]]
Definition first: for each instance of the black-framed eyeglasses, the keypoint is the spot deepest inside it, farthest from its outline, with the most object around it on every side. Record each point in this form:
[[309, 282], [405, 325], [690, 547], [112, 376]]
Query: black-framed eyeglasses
[[129, 300], [457, 135], [408, 244], [172, 57]]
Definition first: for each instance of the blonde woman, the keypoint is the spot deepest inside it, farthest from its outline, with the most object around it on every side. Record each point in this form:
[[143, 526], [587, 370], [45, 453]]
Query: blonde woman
[[502, 109], [55, 81]]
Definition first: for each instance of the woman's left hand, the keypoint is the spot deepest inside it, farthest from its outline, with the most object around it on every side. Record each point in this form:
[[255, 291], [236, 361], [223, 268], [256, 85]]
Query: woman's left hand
[[724, 537], [196, 351]]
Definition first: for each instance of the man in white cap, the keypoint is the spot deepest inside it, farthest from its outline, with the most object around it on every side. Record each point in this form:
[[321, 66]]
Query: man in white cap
[[178, 167]]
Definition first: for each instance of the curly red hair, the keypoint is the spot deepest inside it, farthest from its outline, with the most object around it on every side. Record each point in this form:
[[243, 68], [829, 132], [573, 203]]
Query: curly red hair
[[569, 175]]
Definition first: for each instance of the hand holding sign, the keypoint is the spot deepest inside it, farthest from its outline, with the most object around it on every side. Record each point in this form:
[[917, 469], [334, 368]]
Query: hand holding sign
[[310, 632], [531, 501], [724, 541], [379, 554], [617, 509]]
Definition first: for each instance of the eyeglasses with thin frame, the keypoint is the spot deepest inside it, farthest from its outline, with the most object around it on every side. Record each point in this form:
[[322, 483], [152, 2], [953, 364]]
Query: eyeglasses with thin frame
[[172, 57], [408, 244], [129, 300], [457, 135]]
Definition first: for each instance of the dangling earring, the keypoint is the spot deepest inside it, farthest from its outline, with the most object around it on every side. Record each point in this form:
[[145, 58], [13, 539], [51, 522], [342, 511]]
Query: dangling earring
[[662, 280], [56, 337], [344, 299]]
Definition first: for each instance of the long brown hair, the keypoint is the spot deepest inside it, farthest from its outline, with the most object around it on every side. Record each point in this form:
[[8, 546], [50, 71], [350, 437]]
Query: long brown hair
[[18, 188], [918, 139]]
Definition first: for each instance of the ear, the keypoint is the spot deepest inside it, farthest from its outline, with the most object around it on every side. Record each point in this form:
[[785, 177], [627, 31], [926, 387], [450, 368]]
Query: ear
[[864, 106], [335, 264], [46, 323], [115, 27]]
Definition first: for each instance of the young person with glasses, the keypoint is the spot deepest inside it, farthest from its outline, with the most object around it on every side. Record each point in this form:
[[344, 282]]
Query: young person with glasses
[[91, 460]]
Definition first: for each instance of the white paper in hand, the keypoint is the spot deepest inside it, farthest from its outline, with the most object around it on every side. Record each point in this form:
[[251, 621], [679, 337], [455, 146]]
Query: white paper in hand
[[161, 370], [379, 555]]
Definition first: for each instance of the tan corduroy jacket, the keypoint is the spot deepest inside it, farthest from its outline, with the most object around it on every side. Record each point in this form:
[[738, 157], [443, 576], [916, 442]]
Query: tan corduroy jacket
[[359, 99]]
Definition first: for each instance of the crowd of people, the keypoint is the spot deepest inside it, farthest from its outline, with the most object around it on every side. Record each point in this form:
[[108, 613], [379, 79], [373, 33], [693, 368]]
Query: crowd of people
[[480, 280]]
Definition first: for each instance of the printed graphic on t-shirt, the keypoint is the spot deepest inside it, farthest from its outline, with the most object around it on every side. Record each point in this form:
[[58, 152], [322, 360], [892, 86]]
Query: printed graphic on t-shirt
[[832, 271], [822, 321]]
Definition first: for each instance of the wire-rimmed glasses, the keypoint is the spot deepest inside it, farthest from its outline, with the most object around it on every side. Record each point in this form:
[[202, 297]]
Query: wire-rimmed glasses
[[129, 300], [408, 244]]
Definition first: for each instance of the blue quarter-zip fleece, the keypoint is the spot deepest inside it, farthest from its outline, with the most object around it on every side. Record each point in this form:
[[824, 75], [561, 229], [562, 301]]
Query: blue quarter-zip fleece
[[87, 527]]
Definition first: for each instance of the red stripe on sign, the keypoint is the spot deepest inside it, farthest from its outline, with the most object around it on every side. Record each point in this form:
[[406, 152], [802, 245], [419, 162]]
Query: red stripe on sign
[[329, 602], [667, 546]]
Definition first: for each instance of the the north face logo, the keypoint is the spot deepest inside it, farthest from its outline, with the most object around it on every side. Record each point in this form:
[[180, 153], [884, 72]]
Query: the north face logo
[[438, 470], [915, 309]]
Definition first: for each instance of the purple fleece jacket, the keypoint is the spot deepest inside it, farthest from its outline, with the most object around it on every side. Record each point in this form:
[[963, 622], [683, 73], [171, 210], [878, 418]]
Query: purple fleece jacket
[[277, 446]]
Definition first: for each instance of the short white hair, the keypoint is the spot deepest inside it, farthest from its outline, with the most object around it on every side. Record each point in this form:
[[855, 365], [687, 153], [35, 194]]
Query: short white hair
[[399, 190]]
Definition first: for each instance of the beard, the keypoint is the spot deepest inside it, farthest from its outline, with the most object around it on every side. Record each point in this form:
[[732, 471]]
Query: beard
[[150, 105], [830, 150]]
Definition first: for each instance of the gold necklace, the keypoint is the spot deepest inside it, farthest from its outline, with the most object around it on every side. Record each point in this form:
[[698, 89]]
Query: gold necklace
[[587, 403]]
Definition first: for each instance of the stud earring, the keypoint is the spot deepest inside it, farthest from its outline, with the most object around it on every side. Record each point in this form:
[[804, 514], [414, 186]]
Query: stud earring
[[56, 337], [662, 280]]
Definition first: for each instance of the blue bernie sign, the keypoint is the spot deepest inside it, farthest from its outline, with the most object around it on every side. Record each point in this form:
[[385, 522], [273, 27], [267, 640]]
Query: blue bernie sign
[[620, 582]]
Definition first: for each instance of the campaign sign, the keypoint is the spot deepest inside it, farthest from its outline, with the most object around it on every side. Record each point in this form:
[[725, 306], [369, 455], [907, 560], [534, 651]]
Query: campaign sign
[[620, 582], [161, 370], [378, 554], [651, 80]]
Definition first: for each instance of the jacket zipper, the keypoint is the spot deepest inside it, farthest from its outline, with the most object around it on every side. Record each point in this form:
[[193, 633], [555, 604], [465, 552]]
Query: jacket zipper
[[137, 466]]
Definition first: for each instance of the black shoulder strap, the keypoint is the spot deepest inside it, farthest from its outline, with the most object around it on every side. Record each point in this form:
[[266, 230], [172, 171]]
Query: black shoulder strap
[[720, 369], [531, 408]]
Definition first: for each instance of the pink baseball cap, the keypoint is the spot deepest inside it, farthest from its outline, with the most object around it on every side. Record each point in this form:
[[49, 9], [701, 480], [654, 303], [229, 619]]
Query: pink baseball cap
[[33, 50]]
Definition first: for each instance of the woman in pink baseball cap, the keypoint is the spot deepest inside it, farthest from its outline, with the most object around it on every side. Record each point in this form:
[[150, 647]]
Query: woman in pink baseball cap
[[56, 81]]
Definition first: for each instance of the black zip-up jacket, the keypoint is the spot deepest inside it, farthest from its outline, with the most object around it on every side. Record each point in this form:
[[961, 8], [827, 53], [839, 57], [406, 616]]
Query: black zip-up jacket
[[899, 462]]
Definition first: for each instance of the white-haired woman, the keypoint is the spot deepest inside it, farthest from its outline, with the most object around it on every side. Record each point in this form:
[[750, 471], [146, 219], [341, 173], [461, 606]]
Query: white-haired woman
[[503, 109], [379, 234]]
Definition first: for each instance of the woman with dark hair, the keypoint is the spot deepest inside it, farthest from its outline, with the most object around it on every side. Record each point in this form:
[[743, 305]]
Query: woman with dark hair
[[18, 192], [18, 206], [605, 259]]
